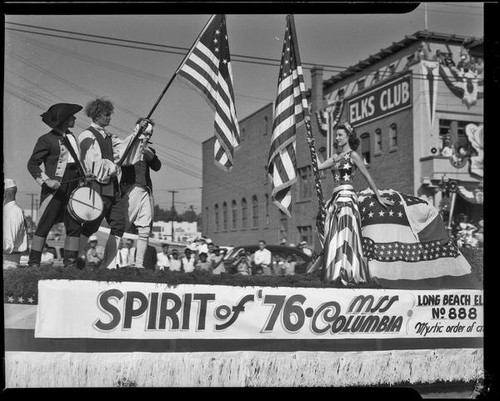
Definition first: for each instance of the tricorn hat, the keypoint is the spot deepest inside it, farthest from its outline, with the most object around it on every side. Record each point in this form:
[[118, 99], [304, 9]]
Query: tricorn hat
[[59, 112]]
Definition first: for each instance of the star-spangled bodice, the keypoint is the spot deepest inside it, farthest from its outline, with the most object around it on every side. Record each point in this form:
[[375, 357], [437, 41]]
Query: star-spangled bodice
[[343, 170]]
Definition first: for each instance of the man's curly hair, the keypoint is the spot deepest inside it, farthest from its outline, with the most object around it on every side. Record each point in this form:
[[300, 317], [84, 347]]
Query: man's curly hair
[[99, 106]]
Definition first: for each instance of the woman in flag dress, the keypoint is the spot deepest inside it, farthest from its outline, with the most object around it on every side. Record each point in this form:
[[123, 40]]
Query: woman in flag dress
[[343, 259]]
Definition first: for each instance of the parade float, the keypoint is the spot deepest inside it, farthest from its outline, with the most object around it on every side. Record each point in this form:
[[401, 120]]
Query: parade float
[[419, 323], [151, 329]]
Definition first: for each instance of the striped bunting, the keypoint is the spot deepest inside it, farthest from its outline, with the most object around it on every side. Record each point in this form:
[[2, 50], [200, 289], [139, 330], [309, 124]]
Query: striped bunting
[[208, 69], [290, 111]]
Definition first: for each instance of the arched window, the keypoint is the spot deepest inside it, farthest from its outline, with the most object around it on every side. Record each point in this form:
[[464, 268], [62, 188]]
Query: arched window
[[244, 213], [255, 212], [393, 136], [365, 147], [206, 220], [266, 125], [224, 216], [267, 209], [216, 217], [234, 215]]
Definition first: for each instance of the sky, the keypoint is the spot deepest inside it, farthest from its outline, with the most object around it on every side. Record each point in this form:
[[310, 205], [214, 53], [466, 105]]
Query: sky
[[44, 65]]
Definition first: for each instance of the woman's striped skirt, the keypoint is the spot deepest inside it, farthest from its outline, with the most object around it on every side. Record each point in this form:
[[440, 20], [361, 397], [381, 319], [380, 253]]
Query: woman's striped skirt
[[343, 252]]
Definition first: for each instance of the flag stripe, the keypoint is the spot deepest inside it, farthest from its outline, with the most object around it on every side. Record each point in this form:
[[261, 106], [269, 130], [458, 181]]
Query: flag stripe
[[208, 68]]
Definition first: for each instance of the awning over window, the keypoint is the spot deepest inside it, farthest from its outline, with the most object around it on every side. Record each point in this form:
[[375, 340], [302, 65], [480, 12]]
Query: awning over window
[[471, 193]]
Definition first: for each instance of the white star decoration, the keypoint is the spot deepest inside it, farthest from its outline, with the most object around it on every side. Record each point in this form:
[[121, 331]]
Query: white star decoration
[[370, 214], [371, 204], [20, 299], [347, 165], [216, 49], [31, 300], [391, 212], [347, 177], [10, 299], [215, 40], [381, 213]]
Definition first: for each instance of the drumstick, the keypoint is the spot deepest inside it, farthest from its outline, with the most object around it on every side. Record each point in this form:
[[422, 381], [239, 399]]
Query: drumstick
[[90, 188]]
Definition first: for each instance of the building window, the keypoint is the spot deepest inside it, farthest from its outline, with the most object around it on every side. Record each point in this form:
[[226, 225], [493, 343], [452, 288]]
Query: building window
[[393, 136], [361, 84], [378, 141], [266, 125], [243, 134], [365, 147], [255, 212], [234, 215], [224, 216], [392, 69], [376, 76], [244, 213], [306, 234], [216, 217], [305, 183], [267, 210]]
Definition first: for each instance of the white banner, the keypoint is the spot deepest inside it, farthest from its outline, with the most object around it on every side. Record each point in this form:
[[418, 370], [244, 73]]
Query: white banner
[[131, 310]]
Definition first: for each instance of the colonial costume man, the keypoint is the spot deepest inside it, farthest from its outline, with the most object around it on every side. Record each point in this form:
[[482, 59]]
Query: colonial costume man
[[58, 151], [137, 188], [99, 154]]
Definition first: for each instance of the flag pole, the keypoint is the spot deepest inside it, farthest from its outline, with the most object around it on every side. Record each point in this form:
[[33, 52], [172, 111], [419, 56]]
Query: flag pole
[[310, 141], [132, 142]]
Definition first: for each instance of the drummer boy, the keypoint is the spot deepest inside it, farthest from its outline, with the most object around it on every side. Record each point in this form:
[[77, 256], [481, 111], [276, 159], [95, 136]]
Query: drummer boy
[[58, 151]]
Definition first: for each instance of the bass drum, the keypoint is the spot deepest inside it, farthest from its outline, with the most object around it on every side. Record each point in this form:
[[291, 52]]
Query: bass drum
[[85, 204]]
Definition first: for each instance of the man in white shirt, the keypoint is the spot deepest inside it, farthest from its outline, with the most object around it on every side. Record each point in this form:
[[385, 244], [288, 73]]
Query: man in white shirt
[[126, 256], [262, 259], [175, 262], [15, 237], [163, 259]]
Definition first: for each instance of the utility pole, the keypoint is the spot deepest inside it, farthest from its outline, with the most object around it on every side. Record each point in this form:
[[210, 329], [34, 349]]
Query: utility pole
[[173, 209]]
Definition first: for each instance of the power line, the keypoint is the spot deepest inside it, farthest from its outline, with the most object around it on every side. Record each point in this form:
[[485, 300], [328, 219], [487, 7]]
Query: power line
[[124, 69], [327, 67]]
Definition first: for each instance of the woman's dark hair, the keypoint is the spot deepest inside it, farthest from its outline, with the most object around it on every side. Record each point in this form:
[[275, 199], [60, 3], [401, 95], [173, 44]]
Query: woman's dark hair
[[97, 107], [353, 138]]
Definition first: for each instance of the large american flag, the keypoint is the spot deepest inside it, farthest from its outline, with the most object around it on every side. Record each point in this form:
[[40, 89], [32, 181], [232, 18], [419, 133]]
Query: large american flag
[[407, 244], [208, 68], [290, 111]]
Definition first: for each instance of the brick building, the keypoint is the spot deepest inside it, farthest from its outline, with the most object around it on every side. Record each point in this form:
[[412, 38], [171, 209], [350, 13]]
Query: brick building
[[405, 102]]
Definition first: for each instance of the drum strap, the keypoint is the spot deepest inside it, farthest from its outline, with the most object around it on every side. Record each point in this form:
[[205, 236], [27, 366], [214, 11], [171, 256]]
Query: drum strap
[[67, 143]]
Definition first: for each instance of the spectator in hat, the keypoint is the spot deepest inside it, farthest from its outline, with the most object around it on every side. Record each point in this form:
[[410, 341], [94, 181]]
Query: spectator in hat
[[15, 236], [175, 261], [95, 253], [217, 261], [58, 152], [203, 264], [163, 258]]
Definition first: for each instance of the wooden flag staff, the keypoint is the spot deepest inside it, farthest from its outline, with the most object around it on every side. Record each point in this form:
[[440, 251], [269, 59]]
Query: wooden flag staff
[[139, 132]]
